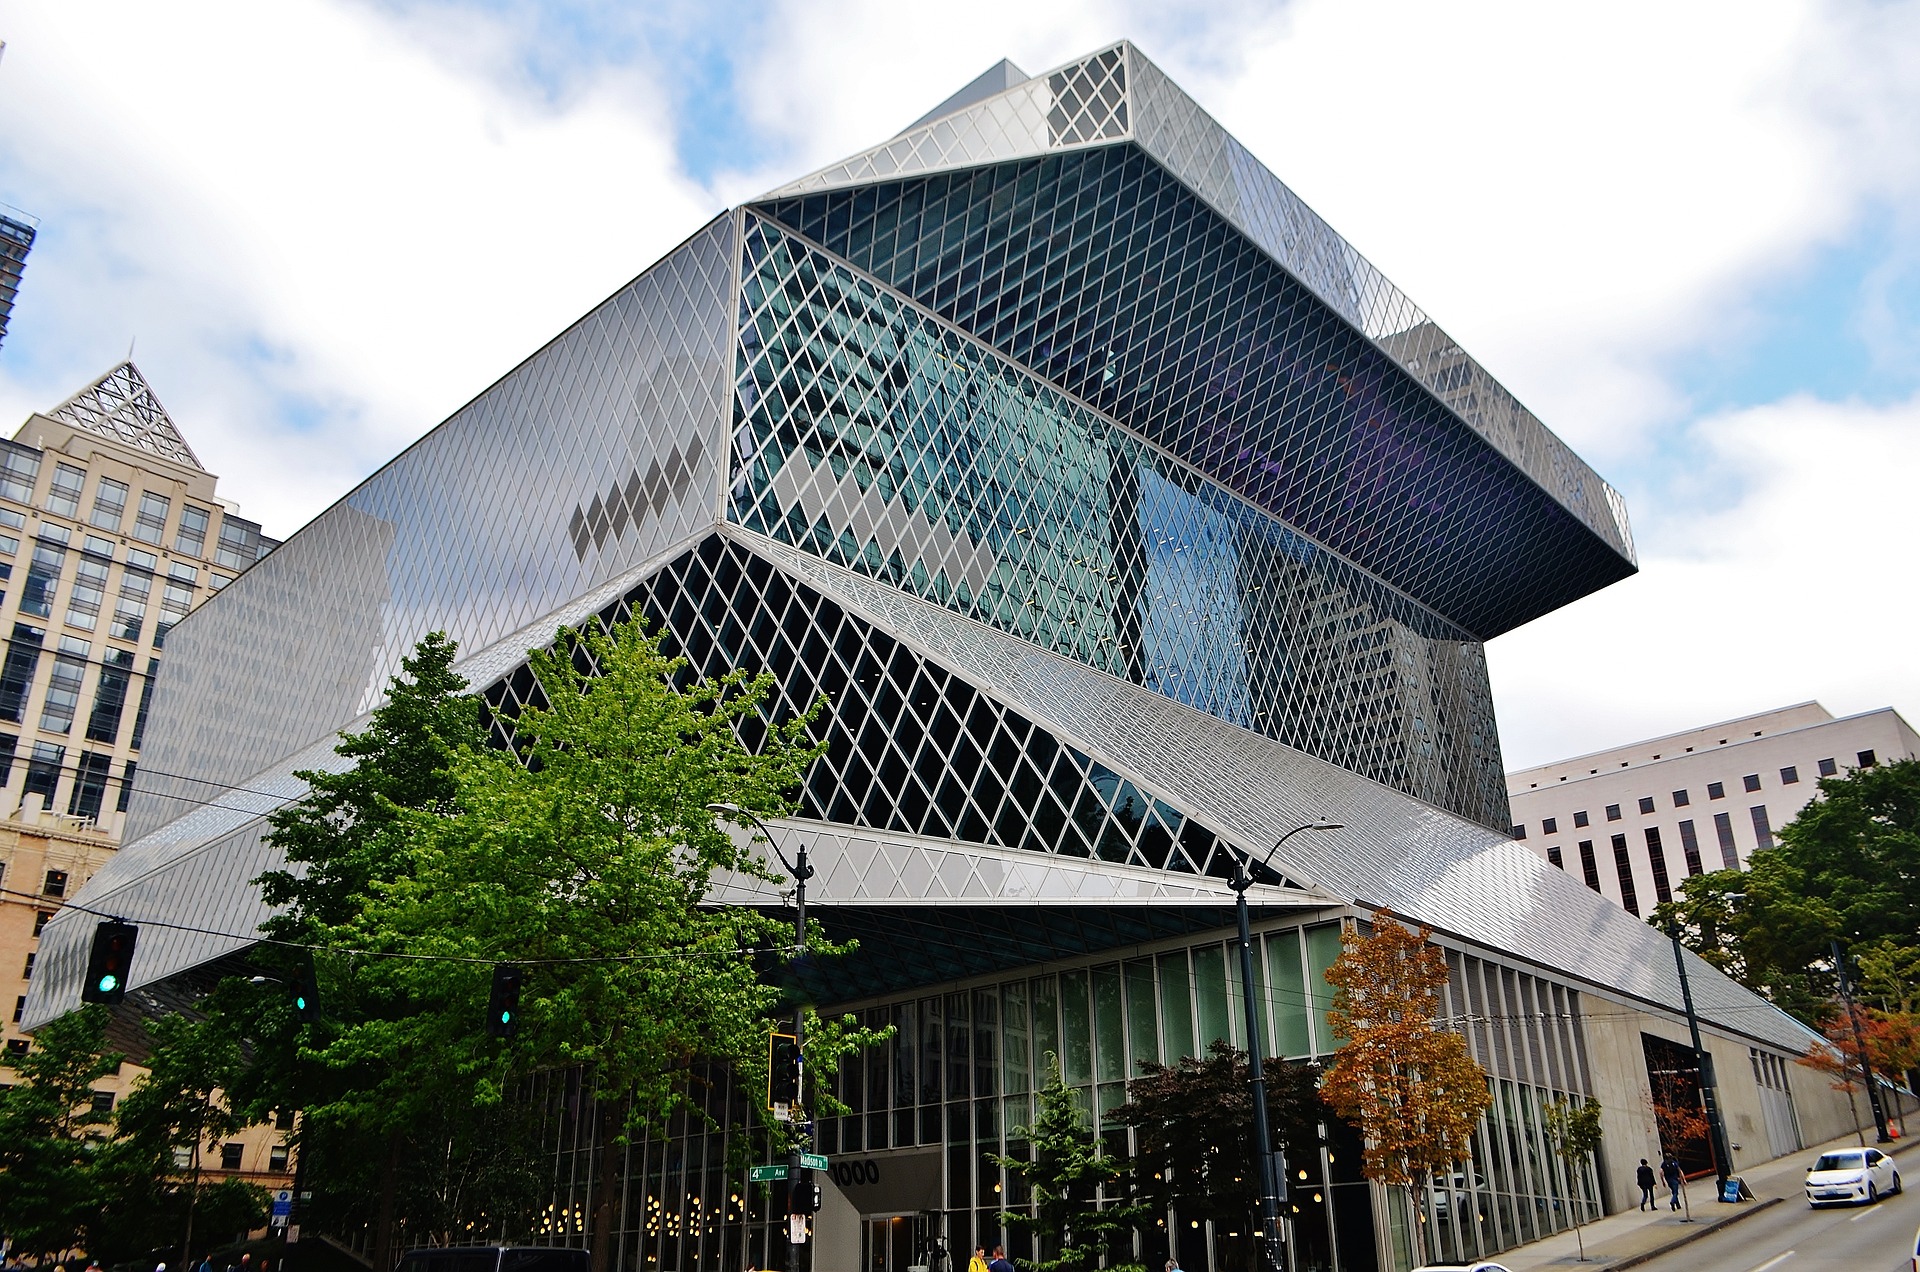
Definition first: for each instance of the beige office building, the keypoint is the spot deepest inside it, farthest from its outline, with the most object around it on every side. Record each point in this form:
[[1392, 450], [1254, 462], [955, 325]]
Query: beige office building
[[110, 532], [1635, 822]]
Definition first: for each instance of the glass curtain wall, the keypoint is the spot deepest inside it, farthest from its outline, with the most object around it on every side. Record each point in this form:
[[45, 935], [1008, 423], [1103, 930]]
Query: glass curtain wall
[[957, 1082]]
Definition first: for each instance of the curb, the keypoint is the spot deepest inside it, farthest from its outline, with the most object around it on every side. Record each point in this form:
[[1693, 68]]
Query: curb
[[1646, 1256]]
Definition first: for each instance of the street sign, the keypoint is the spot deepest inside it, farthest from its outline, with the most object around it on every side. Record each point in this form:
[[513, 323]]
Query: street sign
[[796, 1229], [765, 1174], [813, 1161], [282, 1208]]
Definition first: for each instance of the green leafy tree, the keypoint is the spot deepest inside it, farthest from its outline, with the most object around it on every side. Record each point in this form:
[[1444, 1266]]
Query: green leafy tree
[[1193, 1124], [1847, 868], [1573, 1131], [396, 1082], [172, 1109], [1066, 1174], [587, 856], [48, 1126]]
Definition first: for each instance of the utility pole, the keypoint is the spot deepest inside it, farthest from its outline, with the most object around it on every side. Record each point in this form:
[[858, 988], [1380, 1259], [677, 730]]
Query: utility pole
[[798, 1175], [1271, 1170], [1860, 1041], [1703, 1066]]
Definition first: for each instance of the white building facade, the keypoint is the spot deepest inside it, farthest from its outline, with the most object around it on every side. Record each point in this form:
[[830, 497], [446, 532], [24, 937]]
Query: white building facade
[[1635, 822]]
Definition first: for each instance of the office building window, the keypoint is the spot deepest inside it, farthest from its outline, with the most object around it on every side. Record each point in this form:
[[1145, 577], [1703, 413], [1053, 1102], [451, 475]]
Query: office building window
[[1716, 790], [63, 492], [1588, 866], [277, 1157], [16, 1046], [1623, 870], [1790, 775], [89, 593], [230, 1156], [63, 693], [1657, 859], [16, 673], [1690, 848], [1867, 759], [8, 744], [191, 537], [43, 580], [1580, 818], [146, 700], [1762, 829], [126, 786], [19, 1008], [43, 771], [18, 472], [102, 1103], [1553, 855], [109, 504], [1520, 831], [1751, 781], [1828, 768], [1613, 812], [1723, 827], [40, 918], [240, 544], [110, 695], [130, 610], [26, 973], [1550, 825], [1681, 799], [1646, 804], [150, 523], [89, 784], [175, 601]]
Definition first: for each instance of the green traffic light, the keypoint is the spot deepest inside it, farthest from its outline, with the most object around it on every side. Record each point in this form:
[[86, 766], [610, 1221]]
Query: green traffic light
[[300, 1002], [109, 983], [506, 1017]]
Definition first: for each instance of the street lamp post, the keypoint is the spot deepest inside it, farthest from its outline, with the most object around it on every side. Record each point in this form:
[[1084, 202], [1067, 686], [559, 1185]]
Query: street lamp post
[[1256, 1061], [1866, 1068], [801, 872], [1703, 1065]]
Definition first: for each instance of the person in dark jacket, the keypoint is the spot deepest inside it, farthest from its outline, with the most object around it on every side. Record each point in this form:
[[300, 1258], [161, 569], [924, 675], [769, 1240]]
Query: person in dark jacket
[[1670, 1171], [1645, 1178]]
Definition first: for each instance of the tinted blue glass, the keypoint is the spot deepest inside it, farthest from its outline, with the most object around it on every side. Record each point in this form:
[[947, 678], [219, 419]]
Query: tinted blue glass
[[1103, 273], [881, 439]]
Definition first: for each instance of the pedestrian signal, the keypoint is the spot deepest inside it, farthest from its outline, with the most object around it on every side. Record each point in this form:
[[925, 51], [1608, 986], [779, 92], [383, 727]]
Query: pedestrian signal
[[503, 1005], [108, 964], [783, 1070]]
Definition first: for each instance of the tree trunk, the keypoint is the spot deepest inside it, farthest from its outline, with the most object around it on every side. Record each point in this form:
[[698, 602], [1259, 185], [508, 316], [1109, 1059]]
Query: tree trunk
[[383, 1223], [607, 1189], [1416, 1223]]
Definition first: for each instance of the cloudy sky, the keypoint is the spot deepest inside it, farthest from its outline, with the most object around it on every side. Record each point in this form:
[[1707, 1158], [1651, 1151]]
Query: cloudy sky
[[1687, 235]]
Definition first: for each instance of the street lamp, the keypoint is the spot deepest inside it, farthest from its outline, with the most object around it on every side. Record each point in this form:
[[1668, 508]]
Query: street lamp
[[1703, 1065], [801, 872], [1262, 1148]]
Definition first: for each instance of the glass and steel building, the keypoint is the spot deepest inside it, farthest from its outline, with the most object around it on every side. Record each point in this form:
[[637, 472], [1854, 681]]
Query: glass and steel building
[[17, 231], [1129, 518]]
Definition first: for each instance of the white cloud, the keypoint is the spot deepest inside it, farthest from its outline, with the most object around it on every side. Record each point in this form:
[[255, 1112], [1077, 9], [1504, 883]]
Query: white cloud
[[302, 212], [1802, 588]]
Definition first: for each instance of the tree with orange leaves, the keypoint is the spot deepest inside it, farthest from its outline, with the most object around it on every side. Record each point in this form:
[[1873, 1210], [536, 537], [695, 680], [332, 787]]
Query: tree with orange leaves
[[1681, 1120], [1893, 1047], [1404, 1080]]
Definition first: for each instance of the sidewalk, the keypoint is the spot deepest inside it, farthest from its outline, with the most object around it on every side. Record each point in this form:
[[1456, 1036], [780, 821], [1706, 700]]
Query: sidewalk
[[1635, 1236]]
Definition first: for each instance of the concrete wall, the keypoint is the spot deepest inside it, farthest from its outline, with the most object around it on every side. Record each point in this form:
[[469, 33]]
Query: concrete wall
[[1620, 1074]]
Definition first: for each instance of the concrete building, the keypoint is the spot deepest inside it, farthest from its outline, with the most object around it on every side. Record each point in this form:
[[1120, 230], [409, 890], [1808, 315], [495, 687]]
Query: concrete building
[[111, 532], [1633, 822], [1129, 519]]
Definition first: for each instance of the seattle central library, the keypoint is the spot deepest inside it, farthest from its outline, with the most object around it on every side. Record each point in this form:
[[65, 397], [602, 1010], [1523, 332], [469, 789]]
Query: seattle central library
[[1129, 518]]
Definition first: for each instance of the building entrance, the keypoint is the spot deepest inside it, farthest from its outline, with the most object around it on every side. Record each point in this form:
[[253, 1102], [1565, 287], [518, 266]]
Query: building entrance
[[902, 1243]]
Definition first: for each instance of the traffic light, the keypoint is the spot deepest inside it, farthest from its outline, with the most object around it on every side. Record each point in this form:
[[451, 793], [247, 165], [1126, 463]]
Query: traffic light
[[108, 965], [803, 1195], [783, 1070], [503, 1005], [306, 989]]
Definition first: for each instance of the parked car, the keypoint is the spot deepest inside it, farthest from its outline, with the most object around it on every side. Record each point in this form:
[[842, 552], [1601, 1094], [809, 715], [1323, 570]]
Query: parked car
[[1451, 1189], [494, 1259], [1855, 1176]]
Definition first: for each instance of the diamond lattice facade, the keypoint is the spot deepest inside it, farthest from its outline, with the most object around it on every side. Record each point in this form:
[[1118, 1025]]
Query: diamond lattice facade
[[1130, 519]]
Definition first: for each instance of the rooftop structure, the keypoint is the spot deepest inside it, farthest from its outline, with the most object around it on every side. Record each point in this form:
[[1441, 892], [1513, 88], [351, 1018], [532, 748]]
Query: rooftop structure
[[17, 232]]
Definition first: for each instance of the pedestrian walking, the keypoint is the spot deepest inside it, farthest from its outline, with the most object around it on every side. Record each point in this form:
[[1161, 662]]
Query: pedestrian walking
[[1645, 1178], [1670, 1171], [999, 1262]]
